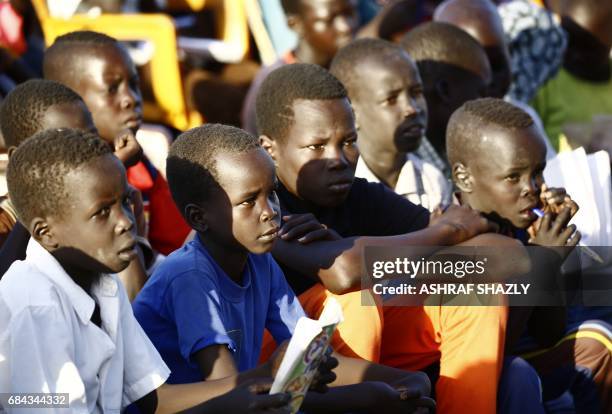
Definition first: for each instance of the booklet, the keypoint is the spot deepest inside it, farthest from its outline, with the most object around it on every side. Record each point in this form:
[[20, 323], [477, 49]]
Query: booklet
[[305, 353]]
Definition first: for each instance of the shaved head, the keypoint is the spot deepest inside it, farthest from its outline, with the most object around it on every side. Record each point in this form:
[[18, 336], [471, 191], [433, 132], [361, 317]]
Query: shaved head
[[477, 17], [464, 135]]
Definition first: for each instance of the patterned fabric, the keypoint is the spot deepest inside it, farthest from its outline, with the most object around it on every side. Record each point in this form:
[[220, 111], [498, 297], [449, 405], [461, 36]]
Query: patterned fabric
[[537, 44]]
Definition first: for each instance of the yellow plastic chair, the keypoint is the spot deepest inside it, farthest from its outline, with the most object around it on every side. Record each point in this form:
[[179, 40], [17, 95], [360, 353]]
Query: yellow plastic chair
[[170, 107]]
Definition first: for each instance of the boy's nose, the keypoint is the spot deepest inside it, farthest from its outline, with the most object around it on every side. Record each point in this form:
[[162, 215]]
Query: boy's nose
[[125, 222], [409, 107], [337, 159], [269, 212], [130, 99]]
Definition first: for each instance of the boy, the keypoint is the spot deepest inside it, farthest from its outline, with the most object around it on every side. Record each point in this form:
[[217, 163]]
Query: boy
[[454, 69], [32, 107], [306, 124], [206, 306], [40, 104], [63, 297], [386, 92], [570, 103], [508, 185], [322, 26], [98, 68]]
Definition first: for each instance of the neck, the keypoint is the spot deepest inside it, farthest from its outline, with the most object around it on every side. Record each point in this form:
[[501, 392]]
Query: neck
[[385, 164], [305, 53], [232, 262]]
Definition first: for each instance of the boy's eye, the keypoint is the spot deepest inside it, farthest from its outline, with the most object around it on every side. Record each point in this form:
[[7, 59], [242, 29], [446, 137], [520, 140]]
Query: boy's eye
[[350, 142], [248, 202], [113, 88], [316, 147], [391, 100], [513, 178], [417, 91], [103, 212]]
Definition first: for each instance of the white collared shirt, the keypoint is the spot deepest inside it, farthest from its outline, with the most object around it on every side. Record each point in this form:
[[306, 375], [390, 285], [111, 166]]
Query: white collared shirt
[[49, 344], [434, 191]]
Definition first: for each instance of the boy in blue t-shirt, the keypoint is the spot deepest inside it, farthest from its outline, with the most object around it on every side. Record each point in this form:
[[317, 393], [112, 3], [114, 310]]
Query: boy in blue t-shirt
[[205, 308]]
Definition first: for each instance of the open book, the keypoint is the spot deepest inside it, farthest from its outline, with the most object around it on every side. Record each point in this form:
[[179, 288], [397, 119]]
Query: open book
[[305, 353]]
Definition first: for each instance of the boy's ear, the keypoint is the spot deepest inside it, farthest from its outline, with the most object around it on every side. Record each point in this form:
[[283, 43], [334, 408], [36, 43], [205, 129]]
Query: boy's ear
[[269, 145], [196, 217], [10, 150], [442, 89], [41, 231], [462, 177]]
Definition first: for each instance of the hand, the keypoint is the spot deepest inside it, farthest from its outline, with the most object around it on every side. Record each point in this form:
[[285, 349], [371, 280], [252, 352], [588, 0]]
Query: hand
[[416, 384], [555, 232], [390, 399], [306, 229], [138, 210], [252, 397], [465, 222], [556, 199], [127, 149], [324, 374]]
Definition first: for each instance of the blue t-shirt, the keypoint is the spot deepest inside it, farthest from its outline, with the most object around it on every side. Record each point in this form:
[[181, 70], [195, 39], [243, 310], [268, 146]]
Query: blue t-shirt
[[190, 303]]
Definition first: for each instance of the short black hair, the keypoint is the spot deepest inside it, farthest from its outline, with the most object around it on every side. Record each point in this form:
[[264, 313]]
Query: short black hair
[[439, 42], [54, 62], [283, 86], [23, 109], [191, 165], [344, 63], [38, 167], [462, 133]]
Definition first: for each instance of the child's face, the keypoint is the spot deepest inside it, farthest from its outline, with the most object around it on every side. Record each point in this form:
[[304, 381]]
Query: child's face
[[316, 160], [94, 234], [68, 115], [246, 216], [389, 104], [109, 86], [328, 25], [506, 171]]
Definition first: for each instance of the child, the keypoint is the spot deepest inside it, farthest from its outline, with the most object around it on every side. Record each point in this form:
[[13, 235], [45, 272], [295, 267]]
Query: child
[[570, 103], [37, 105], [386, 93], [322, 26], [97, 67], [306, 124], [68, 324], [205, 308], [498, 157], [454, 69], [31, 107]]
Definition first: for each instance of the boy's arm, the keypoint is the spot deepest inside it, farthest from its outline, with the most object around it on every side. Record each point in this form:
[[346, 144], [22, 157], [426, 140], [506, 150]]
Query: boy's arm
[[339, 264]]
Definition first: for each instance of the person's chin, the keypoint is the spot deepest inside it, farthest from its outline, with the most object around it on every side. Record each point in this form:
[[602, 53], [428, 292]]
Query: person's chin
[[408, 143]]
